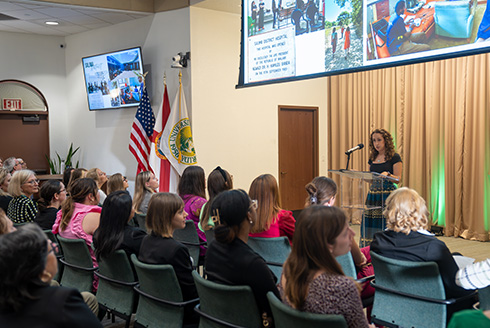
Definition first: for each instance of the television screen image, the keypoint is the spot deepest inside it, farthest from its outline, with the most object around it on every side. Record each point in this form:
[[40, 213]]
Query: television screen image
[[113, 80], [284, 40]]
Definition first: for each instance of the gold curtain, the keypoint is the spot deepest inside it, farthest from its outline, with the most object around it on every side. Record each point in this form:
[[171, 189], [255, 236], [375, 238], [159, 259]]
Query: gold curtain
[[438, 114]]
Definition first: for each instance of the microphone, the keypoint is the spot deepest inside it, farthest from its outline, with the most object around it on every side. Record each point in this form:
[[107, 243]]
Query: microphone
[[350, 151]]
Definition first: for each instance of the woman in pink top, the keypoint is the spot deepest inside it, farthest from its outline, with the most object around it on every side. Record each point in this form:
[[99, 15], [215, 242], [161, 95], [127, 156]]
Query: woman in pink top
[[80, 215], [272, 221]]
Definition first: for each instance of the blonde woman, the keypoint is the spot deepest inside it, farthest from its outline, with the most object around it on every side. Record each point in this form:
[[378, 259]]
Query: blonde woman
[[406, 237], [5, 197], [117, 182], [146, 185], [100, 177], [23, 185]]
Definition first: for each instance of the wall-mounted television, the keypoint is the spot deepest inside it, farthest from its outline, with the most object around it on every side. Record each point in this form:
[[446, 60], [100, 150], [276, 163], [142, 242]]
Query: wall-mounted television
[[112, 80], [285, 40]]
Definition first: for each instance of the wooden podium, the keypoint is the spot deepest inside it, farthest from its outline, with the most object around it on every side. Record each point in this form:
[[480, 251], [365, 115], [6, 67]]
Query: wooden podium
[[354, 189]]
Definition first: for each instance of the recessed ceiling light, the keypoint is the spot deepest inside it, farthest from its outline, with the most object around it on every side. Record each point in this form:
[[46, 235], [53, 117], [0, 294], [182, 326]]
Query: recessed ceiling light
[[51, 23]]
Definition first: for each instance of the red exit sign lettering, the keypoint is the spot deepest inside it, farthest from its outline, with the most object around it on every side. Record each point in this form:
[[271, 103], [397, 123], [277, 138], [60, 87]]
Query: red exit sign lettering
[[12, 104]]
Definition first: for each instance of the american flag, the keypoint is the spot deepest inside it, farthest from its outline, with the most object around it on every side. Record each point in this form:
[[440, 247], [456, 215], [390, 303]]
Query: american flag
[[141, 133]]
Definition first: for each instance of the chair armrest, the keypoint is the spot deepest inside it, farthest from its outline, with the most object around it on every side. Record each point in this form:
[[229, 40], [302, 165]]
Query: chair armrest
[[365, 279], [119, 282], [193, 244], [176, 304], [62, 260], [423, 298], [273, 263], [219, 321]]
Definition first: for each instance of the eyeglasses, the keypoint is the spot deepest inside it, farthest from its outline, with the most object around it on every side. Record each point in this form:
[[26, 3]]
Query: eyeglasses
[[31, 182], [254, 204]]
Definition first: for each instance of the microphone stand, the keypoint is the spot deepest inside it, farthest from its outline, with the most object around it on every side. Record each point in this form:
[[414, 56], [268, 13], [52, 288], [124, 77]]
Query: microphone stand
[[348, 159]]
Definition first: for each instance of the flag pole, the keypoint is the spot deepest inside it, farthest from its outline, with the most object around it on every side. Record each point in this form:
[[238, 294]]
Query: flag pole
[[180, 109]]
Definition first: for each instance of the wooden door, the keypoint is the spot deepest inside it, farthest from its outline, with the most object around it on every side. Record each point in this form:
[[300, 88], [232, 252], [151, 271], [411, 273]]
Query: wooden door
[[298, 153]]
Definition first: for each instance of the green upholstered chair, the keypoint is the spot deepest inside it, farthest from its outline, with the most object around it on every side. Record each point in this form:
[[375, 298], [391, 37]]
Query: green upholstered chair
[[347, 263], [275, 251], [189, 237], [484, 298], [116, 285], [78, 271], [209, 236], [225, 306], [59, 255], [409, 294], [287, 317], [140, 221], [160, 301]]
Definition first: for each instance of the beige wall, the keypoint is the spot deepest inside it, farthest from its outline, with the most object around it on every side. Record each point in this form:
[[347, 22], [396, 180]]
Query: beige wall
[[238, 128]]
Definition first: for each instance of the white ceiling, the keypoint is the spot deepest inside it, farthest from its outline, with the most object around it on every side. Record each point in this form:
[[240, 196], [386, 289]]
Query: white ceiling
[[28, 16]]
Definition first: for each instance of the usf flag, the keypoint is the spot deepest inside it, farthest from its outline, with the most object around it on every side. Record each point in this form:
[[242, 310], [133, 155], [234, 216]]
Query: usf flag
[[176, 142]]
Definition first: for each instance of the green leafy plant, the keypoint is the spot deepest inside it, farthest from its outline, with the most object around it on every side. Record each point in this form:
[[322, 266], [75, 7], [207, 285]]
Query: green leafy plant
[[55, 163]]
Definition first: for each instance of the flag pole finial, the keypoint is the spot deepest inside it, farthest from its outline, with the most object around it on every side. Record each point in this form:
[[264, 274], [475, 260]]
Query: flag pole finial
[[164, 77]]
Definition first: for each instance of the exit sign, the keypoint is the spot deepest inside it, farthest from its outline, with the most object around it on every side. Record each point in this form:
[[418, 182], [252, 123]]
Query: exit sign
[[12, 104]]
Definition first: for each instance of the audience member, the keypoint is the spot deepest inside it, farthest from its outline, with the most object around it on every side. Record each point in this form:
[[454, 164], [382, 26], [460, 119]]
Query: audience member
[[117, 182], [218, 180], [312, 280], [114, 232], [6, 225], [100, 178], [75, 175], [22, 186], [192, 190], [80, 215], [165, 215], [474, 276], [406, 237], [470, 318], [67, 176], [145, 186], [1, 162], [12, 165], [229, 259], [27, 265], [53, 194], [5, 197], [272, 221], [22, 163]]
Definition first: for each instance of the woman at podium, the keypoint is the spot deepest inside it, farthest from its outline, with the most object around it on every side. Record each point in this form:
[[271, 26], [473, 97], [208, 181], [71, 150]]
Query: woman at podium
[[384, 160]]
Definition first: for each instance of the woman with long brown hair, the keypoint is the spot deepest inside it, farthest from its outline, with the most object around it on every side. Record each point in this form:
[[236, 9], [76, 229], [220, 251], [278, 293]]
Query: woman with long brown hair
[[80, 215], [272, 220], [312, 280]]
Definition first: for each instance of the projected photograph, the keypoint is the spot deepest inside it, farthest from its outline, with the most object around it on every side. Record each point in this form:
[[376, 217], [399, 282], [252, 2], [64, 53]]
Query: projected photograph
[[114, 79], [405, 27]]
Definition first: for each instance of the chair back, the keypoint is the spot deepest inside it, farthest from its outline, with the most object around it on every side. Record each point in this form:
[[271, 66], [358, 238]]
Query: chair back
[[275, 251], [116, 284], [157, 282], [347, 263], [140, 220], [287, 317], [189, 237], [234, 305], [53, 238], [78, 269], [484, 298], [415, 278]]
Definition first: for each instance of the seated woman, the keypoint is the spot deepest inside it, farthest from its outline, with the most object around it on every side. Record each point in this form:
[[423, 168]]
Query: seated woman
[[272, 221], [80, 215], [27, 264], [229, 259], [145, 186], [322, 191], [67, 176], [53, 193], [312, 280], [192, 190], [165, 215], [406, 237], [75, 175], [218, 180], [100, 178], [117, 182], [114, 232], [23, 185], [5, 197]]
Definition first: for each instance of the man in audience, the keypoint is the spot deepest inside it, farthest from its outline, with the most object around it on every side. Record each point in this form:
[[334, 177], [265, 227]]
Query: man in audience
[[12, 165], [22, 163]]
